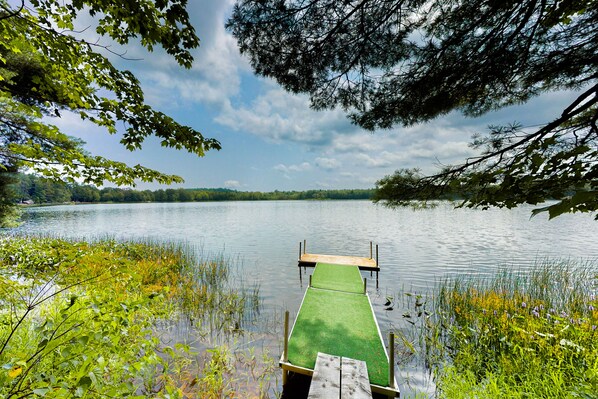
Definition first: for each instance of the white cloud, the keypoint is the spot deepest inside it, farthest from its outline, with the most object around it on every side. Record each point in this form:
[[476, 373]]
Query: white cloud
[[292, 168], [301, 167], [327, 163], [279, 116], [281, 168], [215, 74], [232, 184], [372, 161]]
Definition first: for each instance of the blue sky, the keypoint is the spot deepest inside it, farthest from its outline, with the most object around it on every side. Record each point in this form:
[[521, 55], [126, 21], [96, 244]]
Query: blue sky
[[271, 139]]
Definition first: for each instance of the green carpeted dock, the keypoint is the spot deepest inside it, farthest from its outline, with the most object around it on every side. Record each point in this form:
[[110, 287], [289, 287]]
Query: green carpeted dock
[[337, 278], [336, 318]]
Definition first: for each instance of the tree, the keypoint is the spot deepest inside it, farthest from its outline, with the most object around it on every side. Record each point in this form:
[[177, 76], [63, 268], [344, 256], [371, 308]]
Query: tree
[[87, 193], [8, 212], [48, 68], [389, 62]]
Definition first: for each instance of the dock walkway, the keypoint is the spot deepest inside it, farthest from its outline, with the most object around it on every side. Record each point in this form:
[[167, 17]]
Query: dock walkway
[[339, 377], [336, 318]]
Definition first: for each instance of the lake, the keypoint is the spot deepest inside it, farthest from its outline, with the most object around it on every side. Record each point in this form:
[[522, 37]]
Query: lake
[[416, 248]]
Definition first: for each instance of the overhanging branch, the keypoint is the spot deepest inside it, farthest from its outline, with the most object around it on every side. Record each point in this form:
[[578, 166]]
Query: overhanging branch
[[574, 109]]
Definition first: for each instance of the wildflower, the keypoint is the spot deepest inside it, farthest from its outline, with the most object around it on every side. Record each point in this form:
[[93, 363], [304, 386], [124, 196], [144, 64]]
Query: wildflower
[[541, 307], [594, 327], [591, 308], [523, 305], [535, 313], [564, 314], [495, 313]]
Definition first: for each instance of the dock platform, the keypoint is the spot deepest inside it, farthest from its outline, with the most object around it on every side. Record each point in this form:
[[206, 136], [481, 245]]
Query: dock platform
[[364, 263], [336, 317]]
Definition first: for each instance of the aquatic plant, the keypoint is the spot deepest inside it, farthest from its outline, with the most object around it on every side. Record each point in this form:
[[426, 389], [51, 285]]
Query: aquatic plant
[[82, 319], [528, 334]]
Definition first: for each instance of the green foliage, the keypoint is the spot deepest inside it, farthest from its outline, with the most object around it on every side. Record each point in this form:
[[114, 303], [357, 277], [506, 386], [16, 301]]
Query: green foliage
[[471, 56], [81, 320], [40, 190], [43, 191], [407, 62], [404, 188], [556, 163], [517, 335], [47, 68], [9, 215]]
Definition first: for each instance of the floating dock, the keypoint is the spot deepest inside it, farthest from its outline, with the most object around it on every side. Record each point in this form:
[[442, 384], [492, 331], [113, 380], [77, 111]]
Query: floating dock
[[363, 263], [310, 260], [336, 318]]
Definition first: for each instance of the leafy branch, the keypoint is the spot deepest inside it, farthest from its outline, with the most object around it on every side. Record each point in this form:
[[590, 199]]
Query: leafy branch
[[557, 161]]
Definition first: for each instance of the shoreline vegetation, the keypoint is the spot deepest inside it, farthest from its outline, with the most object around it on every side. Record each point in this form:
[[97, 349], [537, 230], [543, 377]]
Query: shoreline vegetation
[[99, 319], [31, 189], [515, 334], [95, 319]]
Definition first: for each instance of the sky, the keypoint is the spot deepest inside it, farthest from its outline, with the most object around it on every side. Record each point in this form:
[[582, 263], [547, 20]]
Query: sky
[[271, 139]]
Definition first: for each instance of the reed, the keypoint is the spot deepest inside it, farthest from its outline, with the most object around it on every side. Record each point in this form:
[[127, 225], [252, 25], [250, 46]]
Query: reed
[[91, 318], [517, 334]]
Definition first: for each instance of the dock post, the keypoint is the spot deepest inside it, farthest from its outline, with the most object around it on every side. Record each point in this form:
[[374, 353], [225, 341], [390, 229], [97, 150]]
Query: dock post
[[309, 281], [285, 353], [391, 360], [365, 285], [300, 276], [377, 265], [304, 248], [371, 256]]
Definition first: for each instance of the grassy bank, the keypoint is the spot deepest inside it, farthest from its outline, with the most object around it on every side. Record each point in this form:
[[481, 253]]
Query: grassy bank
[[517, 335], [81, 319]]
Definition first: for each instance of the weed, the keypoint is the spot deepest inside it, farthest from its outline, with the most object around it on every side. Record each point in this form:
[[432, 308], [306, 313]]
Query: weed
[[82, 319], [517, 335]]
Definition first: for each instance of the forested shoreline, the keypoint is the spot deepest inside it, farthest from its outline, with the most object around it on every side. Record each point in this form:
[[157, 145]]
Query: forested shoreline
[[31, 189]]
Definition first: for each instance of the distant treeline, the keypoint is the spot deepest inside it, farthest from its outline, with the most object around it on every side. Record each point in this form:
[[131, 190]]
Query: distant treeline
[[43, 191]]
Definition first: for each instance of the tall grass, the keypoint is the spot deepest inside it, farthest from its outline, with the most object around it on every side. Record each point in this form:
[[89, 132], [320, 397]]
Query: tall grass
[[88, 319], [519, 334]]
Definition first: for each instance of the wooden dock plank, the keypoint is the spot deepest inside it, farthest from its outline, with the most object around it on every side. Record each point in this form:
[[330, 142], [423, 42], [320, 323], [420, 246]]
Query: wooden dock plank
[[364, 263], [326, 380], [354, 379], [335, 377]]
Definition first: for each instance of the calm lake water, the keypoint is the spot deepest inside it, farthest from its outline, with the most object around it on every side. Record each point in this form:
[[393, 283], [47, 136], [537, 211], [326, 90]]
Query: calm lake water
[[416, 248]]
